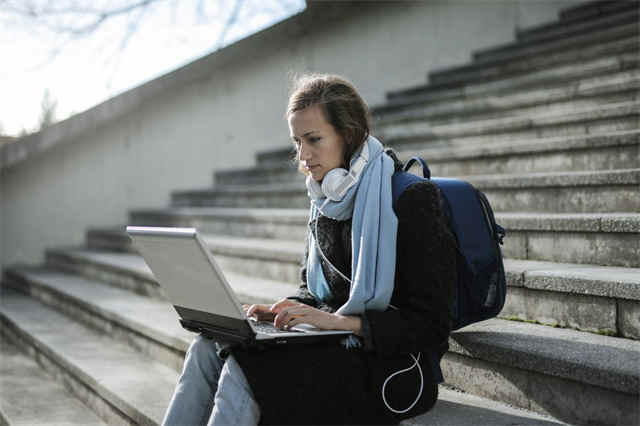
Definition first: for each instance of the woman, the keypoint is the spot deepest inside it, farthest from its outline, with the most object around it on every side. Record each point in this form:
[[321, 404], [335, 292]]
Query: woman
[[397, 306]]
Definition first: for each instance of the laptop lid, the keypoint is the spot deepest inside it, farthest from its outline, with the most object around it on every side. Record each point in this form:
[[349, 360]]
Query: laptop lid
[[196, 285]]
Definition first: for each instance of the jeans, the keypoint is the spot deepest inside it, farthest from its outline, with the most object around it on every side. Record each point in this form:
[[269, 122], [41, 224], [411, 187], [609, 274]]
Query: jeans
[[211, 390]]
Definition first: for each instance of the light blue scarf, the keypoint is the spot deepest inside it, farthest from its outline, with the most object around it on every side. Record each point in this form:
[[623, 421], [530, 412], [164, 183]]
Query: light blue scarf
[[374, 228]]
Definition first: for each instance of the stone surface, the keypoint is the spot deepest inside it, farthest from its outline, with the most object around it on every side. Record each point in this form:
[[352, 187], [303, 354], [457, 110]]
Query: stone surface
[[573, 247], [121, 377], [462, 409], [601, 361], [586, 313], [29, 397], [629, 318]]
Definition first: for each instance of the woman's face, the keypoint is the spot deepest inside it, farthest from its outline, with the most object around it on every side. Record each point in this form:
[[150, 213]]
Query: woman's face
[[320, 148]]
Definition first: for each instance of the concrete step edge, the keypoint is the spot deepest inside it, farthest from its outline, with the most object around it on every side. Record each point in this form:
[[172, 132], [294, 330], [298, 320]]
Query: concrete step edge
[[456, 152], [490, 104], [584, 279], [543, 80], [588, 222], [399, 132], [556, 28], [589, 9], [31, 397], [600, 23], [496, 338], [87, 368], [471, 71], [482, 182], [562, 44]]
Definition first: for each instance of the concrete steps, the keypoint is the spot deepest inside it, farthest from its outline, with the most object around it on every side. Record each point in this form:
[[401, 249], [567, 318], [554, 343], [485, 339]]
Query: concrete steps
[[30, 397], [608, 118], [594, 8], [599, 299], [615, 150], [593, 238], [121, 385], [594, 191], [577, 24], [536, 55], [586, 79], [574, 35], [605, 366], [473, 73], [34, 327]]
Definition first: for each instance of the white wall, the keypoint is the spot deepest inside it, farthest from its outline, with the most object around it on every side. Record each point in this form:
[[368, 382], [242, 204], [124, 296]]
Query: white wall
[[217, 112]]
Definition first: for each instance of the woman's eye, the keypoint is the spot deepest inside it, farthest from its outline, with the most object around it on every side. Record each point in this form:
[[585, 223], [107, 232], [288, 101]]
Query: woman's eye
[[313, 140]]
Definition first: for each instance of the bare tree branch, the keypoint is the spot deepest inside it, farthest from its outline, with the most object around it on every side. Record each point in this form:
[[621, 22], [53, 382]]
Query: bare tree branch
[[230, 22]]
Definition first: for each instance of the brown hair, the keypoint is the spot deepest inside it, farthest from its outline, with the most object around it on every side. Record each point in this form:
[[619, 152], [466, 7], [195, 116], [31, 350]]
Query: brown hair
[[341, 104]]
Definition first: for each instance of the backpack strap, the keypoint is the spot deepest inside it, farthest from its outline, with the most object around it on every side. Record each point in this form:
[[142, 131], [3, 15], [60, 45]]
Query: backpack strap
[[401, 179], [426, 173]]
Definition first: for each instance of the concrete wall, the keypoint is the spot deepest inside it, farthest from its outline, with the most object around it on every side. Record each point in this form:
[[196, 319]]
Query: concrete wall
[[215, 113]]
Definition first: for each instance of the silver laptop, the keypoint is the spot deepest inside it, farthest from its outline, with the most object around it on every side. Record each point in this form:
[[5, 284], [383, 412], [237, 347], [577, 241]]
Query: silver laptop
[[200, 293]]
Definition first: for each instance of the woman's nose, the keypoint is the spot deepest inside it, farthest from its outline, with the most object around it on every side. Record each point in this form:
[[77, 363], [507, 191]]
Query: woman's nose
[[304, 153]]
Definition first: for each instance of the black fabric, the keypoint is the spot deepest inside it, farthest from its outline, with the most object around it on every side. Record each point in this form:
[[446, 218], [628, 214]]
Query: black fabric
[[328, 384]]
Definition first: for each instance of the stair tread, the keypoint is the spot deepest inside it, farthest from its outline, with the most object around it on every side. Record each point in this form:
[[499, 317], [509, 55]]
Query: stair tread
[[614, 19], [605, 361], [453, 406], [31, 398], [444, 152], [510, 180], [463, 409], [134, 264], [579, 222], [561, 83], [610, 362], [139, 387], [475, 71], [501, 125]]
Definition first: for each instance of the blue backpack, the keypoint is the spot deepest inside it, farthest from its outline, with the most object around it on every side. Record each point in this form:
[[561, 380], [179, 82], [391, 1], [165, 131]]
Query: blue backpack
[[480, 290]]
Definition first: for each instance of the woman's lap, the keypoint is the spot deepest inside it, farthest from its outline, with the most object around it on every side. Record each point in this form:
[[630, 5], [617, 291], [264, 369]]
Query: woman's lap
[[211, 390]]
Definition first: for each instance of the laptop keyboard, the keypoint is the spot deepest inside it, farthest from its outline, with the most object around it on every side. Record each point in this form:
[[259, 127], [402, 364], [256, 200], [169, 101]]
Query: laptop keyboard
[[268, 328]]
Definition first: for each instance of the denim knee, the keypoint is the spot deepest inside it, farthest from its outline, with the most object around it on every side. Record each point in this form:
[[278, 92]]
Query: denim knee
[[203, 351]]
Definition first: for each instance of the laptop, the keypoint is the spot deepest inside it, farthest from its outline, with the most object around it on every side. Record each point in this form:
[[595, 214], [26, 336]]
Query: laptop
[[202, 296]]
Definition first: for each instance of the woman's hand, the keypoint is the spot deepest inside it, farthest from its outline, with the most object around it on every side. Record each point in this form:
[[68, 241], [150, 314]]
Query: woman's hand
[[261, 312], [289, 313]]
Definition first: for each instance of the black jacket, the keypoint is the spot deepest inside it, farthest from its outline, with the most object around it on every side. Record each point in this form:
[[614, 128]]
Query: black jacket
[[328, 384]]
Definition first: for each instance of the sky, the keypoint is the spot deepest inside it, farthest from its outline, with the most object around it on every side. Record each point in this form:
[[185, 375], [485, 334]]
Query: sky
[[89, 70]]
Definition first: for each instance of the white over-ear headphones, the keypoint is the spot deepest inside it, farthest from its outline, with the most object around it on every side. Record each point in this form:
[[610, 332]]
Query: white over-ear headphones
[[337, 182]]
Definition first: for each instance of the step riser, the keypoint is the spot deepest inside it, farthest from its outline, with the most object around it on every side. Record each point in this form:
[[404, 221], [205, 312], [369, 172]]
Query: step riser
[[111, 243], [587, 199], [149, 287], [597, 158], [601, 199], [65, 375], [622, 20], [403, 140], [566, 400], [136, 284], [606, 158], [560, 29], [596, 314], [592, 314], [593, 9], [597, 248], [602, 81], [224, 226], [521, 128], [482, 72], [576, 42], [87, 315]]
